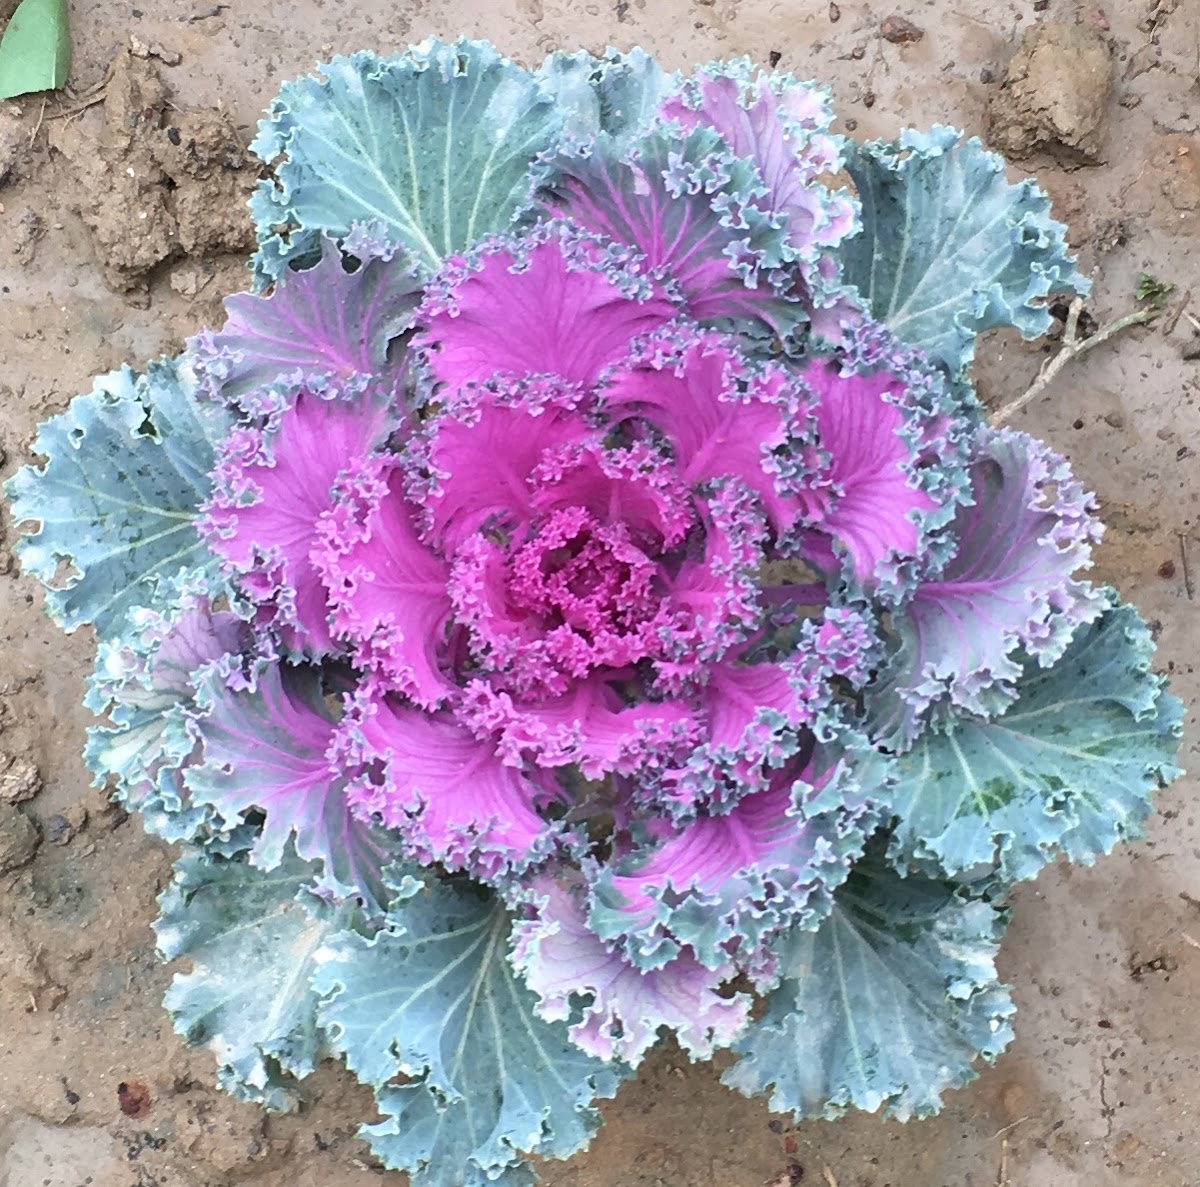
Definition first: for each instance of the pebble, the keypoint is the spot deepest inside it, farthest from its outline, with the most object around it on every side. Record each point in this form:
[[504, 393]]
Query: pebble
[[900, 30]]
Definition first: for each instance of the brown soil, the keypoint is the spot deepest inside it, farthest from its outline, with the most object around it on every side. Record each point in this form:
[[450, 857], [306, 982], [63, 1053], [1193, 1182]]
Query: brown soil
[[1101, 1086]]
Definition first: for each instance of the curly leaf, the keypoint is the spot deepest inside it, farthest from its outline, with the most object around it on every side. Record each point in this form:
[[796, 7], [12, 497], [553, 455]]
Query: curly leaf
[[683, 203], [252, 938], [783, 128], [432, 149], [274, 483], [887, 1005], [327, 321], [1069, 768], [127, 466], [617, 95], [271, 747], [144, 685], [715, 882], [1005, 595], [437, 1000], [614, 1009], [949, 248]]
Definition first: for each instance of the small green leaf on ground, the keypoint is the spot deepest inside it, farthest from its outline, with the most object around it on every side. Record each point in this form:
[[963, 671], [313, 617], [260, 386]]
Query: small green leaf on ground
[[35, 53], [1153, 290]]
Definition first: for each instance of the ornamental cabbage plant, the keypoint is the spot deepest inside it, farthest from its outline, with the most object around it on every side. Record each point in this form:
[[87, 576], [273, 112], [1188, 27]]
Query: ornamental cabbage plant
[[578, 595]]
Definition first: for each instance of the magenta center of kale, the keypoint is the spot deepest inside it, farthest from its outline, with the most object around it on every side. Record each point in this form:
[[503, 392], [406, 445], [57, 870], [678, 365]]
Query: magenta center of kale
[[584, 575]]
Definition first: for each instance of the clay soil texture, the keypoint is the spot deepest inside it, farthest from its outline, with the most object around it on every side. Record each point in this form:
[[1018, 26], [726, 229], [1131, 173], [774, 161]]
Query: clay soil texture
[[122, 224]]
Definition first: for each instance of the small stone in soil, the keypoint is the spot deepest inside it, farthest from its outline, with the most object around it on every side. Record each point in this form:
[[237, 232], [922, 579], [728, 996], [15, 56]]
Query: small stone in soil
[[133, 1098], [900, 30], [835, 14], [1166, 570], [59, 830]]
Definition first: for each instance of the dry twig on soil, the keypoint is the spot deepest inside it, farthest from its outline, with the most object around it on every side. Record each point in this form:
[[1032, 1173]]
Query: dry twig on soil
[[1072, 347]]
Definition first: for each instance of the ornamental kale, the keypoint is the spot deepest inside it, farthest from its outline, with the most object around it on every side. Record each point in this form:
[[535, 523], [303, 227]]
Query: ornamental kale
[[579, 590]]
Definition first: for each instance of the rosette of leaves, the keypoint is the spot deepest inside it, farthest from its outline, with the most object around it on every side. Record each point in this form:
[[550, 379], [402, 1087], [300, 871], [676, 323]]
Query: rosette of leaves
[[578, 589]]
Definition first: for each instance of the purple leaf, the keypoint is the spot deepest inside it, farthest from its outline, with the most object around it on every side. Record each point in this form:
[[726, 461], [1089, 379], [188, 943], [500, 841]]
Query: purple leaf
[[590, 727], [722, 885], [872, 498], [688, 209], [756, 716], [449, 794], [324, 321], [636, 485], [271, 488], [272, 747], [387, 588], [1006, 594], [723, 416], [782, 127], [540, 310], [483, 456], [719, 589], [618, 1009]]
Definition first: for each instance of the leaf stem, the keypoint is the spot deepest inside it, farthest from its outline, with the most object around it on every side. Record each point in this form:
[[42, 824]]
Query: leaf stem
[[1072, 348]]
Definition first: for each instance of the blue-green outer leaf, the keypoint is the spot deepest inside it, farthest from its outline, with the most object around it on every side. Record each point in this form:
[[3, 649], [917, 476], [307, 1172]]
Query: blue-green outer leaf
[[252, 938], [432, 149], [437, 1001], [1069, 768], [617, 95], [887, 1005], [949, 248], [127, 466]]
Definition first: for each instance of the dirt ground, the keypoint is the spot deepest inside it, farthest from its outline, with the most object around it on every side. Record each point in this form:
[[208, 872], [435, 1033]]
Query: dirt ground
[[114, 249]]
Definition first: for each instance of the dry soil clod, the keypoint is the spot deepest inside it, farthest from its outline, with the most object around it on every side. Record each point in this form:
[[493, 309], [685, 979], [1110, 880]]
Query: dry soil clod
[[19, 839], [19, 779], [1056, 94], [161, 183]]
